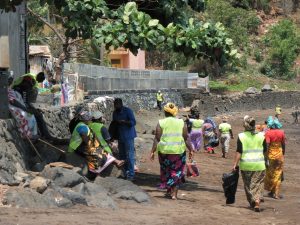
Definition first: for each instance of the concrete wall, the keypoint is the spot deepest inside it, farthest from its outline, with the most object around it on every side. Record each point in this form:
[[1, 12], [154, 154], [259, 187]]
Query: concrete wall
[[211, 105], [96, 78]]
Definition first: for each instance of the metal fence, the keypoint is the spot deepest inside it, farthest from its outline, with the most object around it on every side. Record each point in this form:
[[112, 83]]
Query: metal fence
[[93, 78]]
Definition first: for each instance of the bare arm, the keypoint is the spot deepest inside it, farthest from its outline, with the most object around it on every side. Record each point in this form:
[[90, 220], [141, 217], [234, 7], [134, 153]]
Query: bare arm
[[236, 160], [186, 138], [158, 133], [231, 134]]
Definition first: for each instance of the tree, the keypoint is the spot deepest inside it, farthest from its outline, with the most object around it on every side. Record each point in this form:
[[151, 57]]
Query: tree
[[127, 26]]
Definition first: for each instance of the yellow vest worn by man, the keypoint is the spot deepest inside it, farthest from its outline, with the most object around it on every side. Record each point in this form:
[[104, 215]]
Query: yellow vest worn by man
[[171, 141], [252, 158], [159, 97], [96, 128]]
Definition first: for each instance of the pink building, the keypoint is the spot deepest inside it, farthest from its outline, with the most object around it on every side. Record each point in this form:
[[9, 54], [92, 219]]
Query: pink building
[[123, 58]]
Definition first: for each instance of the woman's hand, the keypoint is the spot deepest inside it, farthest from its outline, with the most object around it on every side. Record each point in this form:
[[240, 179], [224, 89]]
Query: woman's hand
[[152, 156], [234, 167]]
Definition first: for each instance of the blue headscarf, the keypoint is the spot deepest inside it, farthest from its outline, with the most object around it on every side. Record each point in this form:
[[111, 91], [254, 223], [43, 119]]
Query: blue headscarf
[[211, 121], [273, 123]]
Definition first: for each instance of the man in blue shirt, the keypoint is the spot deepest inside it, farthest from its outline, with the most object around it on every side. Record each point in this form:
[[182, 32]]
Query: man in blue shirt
[[124, 118]]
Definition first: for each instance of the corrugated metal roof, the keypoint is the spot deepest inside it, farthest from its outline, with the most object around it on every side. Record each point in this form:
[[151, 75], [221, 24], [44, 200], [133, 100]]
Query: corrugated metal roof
[[40, 50]]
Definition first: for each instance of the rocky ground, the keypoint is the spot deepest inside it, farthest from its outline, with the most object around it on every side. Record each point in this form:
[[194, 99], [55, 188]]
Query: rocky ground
[[201, 199]]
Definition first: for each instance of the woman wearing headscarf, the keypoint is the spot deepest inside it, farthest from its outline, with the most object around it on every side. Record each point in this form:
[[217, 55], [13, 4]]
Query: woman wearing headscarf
[[209, 130], [275, 139], [196, 132], [250, 157], [171, 140]]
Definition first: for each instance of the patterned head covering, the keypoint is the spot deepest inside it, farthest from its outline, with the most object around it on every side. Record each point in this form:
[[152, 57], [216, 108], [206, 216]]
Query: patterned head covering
[[211, 121], [171, 108], [249, 123], [273, 123], [85, 116]]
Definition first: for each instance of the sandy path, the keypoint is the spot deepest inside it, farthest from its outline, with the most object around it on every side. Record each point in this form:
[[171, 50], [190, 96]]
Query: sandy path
[[201, 199]]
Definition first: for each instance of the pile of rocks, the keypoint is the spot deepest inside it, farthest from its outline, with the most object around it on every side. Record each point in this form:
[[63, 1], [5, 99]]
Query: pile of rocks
[[62, 187]]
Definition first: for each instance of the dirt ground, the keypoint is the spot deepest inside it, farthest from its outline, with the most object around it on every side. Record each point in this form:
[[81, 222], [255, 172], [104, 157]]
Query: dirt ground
[[201, 199]]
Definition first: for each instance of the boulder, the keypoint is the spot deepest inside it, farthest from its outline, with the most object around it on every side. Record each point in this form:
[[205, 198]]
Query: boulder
[[74, 197], [39, 184], [101, 200], [251, 90], [266, 88], [58, 198], [27, 198], [21, 177], [62, 177], [123, 189], [95, 195]]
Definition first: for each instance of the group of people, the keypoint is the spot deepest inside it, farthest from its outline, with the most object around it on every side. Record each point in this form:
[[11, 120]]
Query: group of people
[[260, 157], [259, 154], [209, 133], [92, 140]]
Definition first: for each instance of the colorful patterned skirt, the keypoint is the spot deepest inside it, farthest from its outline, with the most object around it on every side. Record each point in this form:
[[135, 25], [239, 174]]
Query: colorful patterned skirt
[[254, 185], [196, 139], [172, 169], [274, 175]]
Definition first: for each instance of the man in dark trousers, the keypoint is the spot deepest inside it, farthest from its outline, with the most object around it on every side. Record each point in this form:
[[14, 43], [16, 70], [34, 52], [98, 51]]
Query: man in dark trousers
[[125, 120]]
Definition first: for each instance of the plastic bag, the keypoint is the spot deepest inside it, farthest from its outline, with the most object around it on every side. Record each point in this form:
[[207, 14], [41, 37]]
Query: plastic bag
[[192, 169], [230, 182]]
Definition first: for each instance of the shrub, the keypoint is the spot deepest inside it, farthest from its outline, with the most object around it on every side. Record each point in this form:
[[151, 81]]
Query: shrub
[[283, 41], [239, 22], [258, 55]]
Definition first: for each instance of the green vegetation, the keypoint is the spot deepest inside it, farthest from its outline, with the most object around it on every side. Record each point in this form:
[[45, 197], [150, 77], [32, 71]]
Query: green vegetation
[[283, 42], [240, 23]]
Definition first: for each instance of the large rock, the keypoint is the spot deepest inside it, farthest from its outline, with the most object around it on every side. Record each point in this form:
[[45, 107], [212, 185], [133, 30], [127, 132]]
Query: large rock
[[62, 177], [251, 90], [27, 198], [39, 184], [123, 189], [266, 88], [101, 200], [73, 196], [58, 198], [95, 195]]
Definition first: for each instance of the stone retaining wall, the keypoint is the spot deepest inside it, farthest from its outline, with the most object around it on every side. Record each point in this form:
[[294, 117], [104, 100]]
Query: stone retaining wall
[[211, 105]]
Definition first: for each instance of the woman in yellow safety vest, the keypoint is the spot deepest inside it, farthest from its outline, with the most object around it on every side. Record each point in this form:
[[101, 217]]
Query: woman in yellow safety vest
[[225, 133], [171, 141], [84, 141], [250, 156]]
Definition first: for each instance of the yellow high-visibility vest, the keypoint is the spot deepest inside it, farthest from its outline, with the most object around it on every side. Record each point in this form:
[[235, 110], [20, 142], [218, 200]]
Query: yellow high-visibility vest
[[252, 158], [171, 141]]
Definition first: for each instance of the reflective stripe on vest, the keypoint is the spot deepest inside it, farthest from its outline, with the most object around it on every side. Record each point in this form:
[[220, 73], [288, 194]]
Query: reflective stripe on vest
[[171, 141], [76, 139], [197, 125], [252, 158], [96, 128], [159, 97]]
